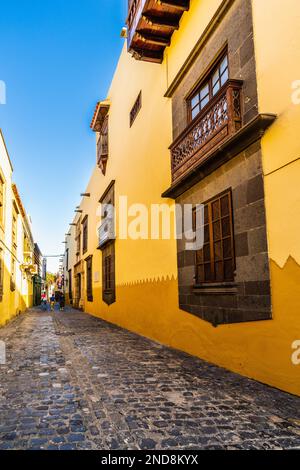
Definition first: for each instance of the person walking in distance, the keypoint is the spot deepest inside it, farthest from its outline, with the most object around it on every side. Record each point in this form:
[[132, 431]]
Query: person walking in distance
[[52, 302], [62, 302], [44, 301]]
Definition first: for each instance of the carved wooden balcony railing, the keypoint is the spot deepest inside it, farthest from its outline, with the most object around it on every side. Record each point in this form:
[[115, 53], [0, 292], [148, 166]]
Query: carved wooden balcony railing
[[151, 24], [100, 124], [219, 120], [102, 152], [102, 147]]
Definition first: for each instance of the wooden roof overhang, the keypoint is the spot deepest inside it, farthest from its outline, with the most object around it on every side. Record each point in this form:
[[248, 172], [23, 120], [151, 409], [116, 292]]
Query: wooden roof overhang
[[151, 24], [100, 113]]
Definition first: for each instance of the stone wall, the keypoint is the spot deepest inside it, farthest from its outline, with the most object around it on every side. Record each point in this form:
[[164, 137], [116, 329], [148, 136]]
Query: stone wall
[[235, 31], [248, 298]]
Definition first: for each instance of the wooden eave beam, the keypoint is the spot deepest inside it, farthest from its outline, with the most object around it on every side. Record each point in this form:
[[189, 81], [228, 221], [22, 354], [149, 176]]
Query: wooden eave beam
[[155, 40], [178, 4], [147, 55], [99, 115], [162, 21]]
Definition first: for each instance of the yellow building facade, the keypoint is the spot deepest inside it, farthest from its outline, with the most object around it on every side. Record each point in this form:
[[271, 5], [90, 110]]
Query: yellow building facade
[[219, 83], [16, 246]]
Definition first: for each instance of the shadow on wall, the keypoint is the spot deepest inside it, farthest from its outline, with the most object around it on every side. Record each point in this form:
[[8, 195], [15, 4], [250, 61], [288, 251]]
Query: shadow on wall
[[13, 303], [261, 350]]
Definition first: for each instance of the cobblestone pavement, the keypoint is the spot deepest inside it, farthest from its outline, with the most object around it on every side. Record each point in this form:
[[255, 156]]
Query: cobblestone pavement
[[75, 382]]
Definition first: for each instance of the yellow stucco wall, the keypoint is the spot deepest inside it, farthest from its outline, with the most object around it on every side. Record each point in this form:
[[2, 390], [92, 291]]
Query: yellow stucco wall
[[277, 44], [139, 161], [19, 300]]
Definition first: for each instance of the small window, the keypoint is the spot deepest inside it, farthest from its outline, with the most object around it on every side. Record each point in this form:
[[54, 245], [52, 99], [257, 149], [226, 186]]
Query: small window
[[78, 237], [136, 109], [108, 272], [209, 87], [215, 262], [14, 236], [89, 279], [85, 235]]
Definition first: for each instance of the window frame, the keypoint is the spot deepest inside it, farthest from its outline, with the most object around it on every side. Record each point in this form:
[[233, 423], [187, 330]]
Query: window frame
[[85, 235], [108, 281], [210, 221], [207, 80], [78, 238], [89, 278], [14, 228], [135, 109]]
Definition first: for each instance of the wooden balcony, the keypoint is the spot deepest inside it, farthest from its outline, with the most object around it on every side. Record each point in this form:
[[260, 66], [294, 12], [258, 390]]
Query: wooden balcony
[[218, 121], [151, 24], [99, 124], [102, 152]]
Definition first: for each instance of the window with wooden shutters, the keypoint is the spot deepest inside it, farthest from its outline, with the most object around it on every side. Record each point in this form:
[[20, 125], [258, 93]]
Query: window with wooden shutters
[[85, 235], [78, 237], [108, 272], [215, 262], [14, 230], [89, 279], [107, 245], [136, 109]]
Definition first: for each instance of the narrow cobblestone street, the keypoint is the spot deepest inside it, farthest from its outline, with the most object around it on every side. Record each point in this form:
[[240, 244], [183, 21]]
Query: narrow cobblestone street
[[75, 382]]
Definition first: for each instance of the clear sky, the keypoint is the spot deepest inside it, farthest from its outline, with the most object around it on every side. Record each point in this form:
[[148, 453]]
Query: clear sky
[[57, 58]]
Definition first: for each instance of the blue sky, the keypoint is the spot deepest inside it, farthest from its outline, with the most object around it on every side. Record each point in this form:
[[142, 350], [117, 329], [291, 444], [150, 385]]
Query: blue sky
[[57, 58]]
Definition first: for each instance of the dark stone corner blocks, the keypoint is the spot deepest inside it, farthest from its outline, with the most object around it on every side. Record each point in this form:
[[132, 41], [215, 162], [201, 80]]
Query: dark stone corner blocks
[[248, 297]]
